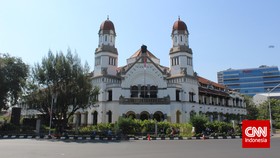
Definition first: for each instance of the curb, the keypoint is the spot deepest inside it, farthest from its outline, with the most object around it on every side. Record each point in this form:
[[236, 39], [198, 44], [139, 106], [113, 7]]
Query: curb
[[47, 137]]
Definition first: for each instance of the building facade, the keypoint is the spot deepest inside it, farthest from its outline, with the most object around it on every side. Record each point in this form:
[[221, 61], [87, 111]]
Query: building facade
[[260, 98], [251, 81], [144, 89]]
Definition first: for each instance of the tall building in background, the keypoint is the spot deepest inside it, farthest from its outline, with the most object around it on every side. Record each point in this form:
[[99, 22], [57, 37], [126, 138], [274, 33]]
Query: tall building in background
[[251, 81]]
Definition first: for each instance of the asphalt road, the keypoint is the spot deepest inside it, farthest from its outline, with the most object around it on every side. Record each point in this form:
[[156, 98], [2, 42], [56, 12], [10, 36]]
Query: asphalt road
[[229, 148]]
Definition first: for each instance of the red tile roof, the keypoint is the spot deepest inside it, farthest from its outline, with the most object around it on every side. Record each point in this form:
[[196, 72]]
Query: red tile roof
[[107, 25], [138, 53], [207, 82], [179, 25]]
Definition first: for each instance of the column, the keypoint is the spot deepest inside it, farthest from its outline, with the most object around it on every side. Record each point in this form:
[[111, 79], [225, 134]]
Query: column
[[75, 119], [151, 116], [165, 116], [83, 118], [211, 117], [203, 99], [139, 90]]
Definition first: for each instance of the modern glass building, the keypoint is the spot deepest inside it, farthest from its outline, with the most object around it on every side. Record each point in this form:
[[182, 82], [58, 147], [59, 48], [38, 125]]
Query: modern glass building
[[251, 81]]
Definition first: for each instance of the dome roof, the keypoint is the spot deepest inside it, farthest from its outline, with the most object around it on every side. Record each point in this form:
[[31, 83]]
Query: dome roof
[[179, 25], [107, 25]]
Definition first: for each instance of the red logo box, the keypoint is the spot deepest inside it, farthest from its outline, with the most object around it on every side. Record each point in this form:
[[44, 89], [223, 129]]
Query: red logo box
[[255, 134]]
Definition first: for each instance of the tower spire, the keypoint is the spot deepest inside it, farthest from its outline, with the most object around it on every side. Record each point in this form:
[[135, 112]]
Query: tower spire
[[107, 17]]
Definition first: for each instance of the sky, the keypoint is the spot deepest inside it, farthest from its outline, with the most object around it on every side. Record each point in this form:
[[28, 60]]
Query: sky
[[223, 33]]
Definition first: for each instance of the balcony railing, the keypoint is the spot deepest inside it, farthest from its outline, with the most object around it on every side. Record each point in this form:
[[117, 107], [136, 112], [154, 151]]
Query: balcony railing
[[164, 100]]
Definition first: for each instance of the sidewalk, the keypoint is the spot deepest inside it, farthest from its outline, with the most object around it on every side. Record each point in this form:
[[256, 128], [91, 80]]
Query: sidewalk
[[114, 138], [277, 135], [110, 138]]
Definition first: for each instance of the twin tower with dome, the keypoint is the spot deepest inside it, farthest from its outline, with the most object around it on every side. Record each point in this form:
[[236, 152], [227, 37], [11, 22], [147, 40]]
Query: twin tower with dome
[[144, 89]]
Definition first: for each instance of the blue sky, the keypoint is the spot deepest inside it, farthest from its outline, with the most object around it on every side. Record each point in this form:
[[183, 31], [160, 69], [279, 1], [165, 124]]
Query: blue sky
[[223, 33]]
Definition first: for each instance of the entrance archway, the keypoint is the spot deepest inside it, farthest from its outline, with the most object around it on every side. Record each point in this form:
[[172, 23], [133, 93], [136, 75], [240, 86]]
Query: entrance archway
[[158, 116], [144, 115], [131, 115], [94, 117]]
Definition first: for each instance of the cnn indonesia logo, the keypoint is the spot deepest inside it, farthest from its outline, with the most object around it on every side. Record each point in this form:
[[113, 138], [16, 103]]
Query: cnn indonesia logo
[[256, 134]]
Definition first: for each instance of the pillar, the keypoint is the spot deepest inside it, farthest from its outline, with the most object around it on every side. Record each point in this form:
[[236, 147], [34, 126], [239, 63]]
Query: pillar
[[83, 118]]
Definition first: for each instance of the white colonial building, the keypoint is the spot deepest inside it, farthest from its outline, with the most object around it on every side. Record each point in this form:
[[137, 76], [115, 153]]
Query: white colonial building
[[144, 89]]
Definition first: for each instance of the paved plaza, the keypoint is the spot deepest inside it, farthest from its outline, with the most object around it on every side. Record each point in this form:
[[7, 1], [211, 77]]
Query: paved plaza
[[229, 148]]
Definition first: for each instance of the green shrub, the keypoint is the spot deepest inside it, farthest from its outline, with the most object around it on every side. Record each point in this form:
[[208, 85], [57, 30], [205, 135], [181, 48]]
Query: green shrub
[[126, 125], [149, 126], [186, 130], [219, 127], [100, 128], [87, 130], [163, 127], [104, 126], [199, 122], [168, 131]]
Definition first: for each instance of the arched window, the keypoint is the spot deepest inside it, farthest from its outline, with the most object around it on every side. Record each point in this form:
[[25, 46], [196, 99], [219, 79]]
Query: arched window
[[144, 92], [191, 97], [134, 91], [109, 116], [94, 118], [177, 95], [153, 91], [131, 115], [181, 38], [144, 115], [105, 38], [158, 116]]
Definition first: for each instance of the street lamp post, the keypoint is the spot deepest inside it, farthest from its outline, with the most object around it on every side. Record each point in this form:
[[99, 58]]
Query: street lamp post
[[269, 107], [270, 117]]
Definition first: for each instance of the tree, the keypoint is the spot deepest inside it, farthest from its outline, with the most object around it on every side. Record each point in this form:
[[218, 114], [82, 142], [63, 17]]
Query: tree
[[13, 74], [199, 122], [275, 111], [252, 110], [63, 83]]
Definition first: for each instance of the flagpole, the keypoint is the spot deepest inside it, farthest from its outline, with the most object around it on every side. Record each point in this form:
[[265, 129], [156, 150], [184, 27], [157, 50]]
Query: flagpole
[[144, 56], [145, 81], [145, 76]]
